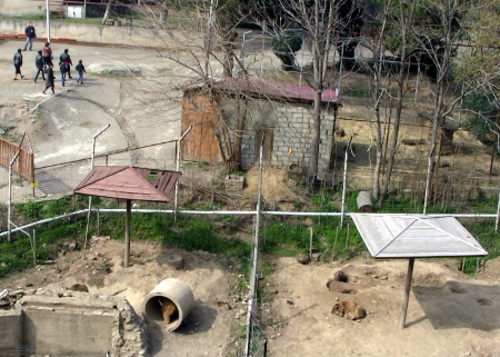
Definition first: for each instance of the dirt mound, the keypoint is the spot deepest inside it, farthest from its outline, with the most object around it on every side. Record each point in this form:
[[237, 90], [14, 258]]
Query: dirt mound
[[275, 186]]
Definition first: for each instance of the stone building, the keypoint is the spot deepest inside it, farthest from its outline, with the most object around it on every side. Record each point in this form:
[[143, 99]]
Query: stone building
[[241, 114]]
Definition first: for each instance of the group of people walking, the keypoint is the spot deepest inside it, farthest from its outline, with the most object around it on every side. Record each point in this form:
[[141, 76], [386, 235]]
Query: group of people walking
[[43, 62]]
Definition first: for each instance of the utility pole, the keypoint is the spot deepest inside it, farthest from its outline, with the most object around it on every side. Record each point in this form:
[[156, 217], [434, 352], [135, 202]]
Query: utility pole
[[47, 9]]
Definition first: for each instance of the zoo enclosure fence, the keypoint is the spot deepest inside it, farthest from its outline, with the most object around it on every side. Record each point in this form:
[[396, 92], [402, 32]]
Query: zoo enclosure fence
[[256, 339]]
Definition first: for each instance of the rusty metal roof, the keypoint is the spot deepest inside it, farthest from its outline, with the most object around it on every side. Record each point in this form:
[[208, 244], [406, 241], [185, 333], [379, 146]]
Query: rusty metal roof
[[415, 236], [277, 89], [126, 182]]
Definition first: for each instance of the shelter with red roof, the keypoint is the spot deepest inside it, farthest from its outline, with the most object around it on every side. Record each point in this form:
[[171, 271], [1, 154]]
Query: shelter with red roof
[[235, 114]]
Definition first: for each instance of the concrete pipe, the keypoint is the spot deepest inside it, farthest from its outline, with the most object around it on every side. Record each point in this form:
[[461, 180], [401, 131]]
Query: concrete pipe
[[364, 201], [171, 301]]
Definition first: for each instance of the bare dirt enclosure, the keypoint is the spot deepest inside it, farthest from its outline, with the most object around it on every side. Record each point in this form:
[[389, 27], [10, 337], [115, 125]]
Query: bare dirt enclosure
[[206, 331], [450, 314]]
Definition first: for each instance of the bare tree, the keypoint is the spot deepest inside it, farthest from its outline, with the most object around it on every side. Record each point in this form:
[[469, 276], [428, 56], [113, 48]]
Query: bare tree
[[438, 41], [404, 11], [203, 43], [323, 22], [375, 42]]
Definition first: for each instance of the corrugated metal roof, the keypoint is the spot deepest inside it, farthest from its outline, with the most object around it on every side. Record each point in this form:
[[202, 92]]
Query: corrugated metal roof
[[126, 182], [277, 89], [397, 236]]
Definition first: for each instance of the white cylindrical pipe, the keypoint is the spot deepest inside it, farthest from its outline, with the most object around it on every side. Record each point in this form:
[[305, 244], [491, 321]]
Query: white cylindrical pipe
[[169, 290], [364, 201]]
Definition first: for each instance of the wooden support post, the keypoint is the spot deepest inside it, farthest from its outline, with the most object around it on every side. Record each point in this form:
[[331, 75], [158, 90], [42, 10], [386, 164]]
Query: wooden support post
[[98, 223], [310, 243], [127, 233], [406, 297]]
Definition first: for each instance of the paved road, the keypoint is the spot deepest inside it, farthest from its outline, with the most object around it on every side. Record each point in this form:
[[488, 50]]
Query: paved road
[[138, 109]]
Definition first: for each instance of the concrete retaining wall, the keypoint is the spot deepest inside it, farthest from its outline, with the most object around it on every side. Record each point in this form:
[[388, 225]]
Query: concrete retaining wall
[[11, 323], [73, 324], [117, 35]]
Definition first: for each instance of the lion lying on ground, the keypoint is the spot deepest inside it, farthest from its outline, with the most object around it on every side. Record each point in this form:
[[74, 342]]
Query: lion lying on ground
[[168, 309], [350, 308]]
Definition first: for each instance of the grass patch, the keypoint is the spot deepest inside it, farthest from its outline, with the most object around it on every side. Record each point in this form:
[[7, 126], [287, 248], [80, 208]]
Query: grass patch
[[284, 236]]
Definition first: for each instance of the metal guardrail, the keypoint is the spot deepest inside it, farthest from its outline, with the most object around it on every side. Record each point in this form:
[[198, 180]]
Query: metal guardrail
[[250, 213]]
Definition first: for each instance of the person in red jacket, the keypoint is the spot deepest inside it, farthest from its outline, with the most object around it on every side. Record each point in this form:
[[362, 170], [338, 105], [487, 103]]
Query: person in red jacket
[[47, 54]]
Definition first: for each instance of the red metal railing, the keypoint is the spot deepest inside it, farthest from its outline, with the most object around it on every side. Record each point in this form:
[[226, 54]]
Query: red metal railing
[[24, 164]]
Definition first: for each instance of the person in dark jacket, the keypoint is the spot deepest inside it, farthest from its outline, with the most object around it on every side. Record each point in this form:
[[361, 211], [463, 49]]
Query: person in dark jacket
[[66, 59], [81, 70], [39, 66], [18, 62], [62, 68], [30, 35], [49, 83]]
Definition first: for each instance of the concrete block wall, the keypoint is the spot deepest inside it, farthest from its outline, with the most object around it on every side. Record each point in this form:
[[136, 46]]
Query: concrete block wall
[[292, 138], [11, 332], [65, 332], [72, 323]]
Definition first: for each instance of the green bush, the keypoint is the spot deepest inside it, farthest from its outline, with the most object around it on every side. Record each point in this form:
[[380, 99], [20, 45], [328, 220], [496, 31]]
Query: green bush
[[284, 45]]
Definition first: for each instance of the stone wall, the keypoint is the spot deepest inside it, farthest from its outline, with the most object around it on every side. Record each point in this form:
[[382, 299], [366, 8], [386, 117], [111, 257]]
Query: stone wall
[[10, 333], [72, 323], [291, 127]]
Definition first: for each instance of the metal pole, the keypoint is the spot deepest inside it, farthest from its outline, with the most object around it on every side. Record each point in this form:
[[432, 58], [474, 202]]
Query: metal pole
[[94, 138], [33, 246], [127, 234], [242, 53], [498, 215], [47, 10], [344, 183], [255, 255], [9, 212], [310, 243], [177, 167], [406, 297]]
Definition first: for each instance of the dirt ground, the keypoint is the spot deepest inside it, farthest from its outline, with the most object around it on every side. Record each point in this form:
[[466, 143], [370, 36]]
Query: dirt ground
[[207, 331], [450, 314]]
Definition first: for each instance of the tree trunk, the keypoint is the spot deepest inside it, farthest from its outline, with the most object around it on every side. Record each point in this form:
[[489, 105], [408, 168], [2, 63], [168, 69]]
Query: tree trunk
[[228, 47], [107, 11], [377, 98], [235, 162], [405, 28], [163, 11], [315, 138]]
